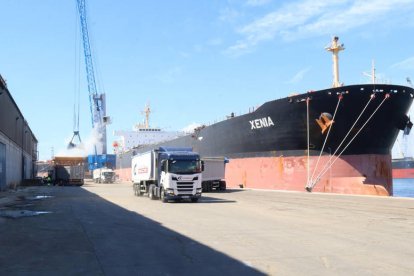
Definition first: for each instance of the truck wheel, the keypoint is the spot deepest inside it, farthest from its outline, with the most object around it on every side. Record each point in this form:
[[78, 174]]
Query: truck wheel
[[194, 199], [162, 196], [151, 191], [222, 185]]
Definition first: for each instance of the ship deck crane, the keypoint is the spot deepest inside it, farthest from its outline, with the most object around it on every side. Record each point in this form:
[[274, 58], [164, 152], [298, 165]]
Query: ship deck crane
[[96, 100]]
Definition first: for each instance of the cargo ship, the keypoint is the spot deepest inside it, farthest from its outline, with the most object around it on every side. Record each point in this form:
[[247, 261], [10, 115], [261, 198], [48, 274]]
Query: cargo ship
[[403, 167], [336, 140]]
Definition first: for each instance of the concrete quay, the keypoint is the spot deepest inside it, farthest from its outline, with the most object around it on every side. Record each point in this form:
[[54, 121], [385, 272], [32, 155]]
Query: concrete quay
[[103, 229]]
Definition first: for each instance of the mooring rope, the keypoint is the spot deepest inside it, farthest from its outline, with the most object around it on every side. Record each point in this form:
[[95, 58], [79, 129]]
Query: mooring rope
[[356, 134], [326, 138]]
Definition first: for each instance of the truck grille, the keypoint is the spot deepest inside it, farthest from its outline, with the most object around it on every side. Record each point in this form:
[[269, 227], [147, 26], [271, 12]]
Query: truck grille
[[185, 186]]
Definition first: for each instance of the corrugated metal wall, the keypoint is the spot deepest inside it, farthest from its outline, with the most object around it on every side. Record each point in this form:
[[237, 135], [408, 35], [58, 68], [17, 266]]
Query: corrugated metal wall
[[2, 166], [18, 145]]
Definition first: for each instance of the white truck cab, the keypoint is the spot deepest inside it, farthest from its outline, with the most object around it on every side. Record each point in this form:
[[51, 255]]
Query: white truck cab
[[168, 174]]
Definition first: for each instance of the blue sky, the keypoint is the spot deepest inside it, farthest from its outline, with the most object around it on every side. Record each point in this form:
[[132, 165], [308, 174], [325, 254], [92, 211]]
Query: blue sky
[[193, 61]]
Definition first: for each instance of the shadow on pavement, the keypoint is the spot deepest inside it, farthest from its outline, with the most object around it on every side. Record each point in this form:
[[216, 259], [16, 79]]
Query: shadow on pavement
[[87, 235], [209, 199], [227, 191]]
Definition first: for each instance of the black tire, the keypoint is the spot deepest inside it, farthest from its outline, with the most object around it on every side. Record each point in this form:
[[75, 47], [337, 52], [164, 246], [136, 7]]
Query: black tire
[[137, 189], [222, 185], [151, 194], [162, 196], [194, 199]]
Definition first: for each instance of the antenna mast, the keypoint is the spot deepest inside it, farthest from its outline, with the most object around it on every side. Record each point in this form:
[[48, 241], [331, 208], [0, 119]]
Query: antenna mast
[[147, 112], [372, 75], [335, 48]]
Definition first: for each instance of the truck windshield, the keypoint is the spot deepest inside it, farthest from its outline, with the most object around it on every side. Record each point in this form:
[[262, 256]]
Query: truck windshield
[[108, 174], [184, 166]]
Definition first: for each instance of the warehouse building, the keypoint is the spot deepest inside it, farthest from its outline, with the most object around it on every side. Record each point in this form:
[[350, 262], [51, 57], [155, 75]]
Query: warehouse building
[[18, 145]]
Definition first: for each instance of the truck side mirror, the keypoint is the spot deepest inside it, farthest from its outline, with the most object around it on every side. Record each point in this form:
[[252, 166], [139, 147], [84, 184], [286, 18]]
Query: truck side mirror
[[163, 165], [202, 166]]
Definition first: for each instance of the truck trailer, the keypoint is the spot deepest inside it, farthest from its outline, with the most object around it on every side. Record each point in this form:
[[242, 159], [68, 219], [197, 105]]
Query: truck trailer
[[67, 171], [168, 174], [214, 173]]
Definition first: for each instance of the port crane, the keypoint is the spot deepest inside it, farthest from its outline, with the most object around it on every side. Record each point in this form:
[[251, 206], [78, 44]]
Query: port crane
[[97, 103]]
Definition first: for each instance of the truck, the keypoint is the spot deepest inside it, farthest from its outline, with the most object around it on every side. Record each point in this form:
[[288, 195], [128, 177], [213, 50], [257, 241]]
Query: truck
[[214, 173], [67, 171], [167, 173], [103, 175]]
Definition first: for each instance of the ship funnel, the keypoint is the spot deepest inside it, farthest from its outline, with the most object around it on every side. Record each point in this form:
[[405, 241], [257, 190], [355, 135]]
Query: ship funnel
[[335, 48]]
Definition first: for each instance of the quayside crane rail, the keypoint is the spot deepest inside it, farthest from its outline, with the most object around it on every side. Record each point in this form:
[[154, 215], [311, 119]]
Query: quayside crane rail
[[96, 100]]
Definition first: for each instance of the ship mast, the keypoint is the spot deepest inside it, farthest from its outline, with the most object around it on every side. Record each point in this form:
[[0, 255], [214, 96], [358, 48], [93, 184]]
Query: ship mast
[[335, 48], [147, 112], [145, 125], [372, 75]]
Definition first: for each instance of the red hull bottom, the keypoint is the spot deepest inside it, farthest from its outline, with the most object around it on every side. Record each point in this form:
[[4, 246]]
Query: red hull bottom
[[356, 174], [369, 174], [403, 173]]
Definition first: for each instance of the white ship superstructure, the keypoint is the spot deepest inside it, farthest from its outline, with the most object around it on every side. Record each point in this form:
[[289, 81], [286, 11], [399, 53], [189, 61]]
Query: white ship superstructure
[[142, 134]]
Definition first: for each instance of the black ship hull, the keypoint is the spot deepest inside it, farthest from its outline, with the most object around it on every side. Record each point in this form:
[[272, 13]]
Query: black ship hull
[[337, 139]]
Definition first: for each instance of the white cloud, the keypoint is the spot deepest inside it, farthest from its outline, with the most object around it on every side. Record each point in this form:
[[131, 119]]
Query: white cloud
[[229, 15], [299, 75], [307, 18], [405, 64], [257, 2]]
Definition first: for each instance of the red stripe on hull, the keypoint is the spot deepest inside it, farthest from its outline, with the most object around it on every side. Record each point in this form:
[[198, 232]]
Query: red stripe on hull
[[355, 174], [403, 173]]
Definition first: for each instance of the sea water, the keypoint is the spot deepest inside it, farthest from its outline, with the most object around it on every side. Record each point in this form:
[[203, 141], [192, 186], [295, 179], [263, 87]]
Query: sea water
[[403, 187]]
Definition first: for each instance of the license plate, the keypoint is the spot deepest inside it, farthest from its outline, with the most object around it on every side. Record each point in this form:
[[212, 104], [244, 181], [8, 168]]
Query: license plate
[[185, 197]]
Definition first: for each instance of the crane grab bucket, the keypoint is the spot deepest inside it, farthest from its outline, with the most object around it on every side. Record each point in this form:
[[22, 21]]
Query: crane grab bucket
[[71, 144]]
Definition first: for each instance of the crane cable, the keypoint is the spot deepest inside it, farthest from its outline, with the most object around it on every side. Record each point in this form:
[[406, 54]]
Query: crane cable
[[76, 93]]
